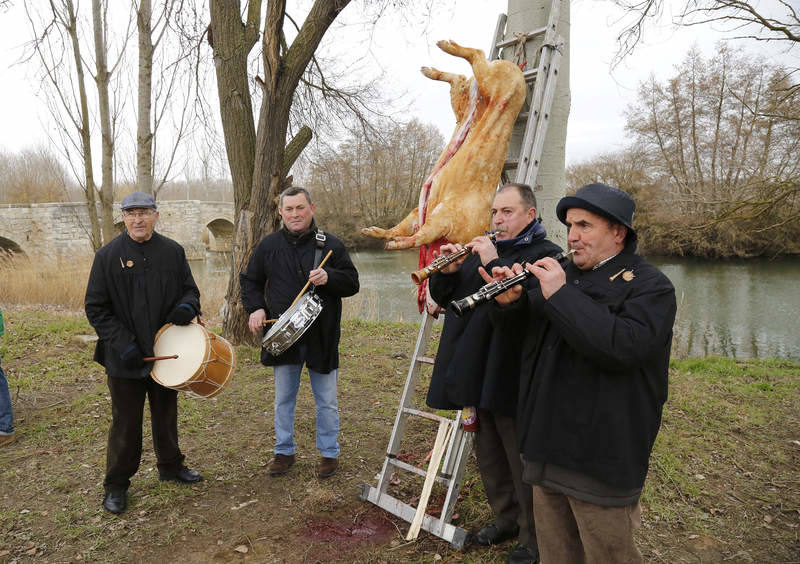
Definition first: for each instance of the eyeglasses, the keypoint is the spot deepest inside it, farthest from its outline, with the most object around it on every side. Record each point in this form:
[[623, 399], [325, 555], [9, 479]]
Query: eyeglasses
[[137, 214]]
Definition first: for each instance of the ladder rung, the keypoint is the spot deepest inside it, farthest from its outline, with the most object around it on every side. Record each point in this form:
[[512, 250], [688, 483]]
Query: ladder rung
[[411, 468], [511, 163], [426, 359], [530, 34], [523, 116], [426, 415], [530, 75]]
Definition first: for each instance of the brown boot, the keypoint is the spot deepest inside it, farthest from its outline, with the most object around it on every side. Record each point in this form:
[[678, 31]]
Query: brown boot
[[6, 439], [328, 467], [280, 464]]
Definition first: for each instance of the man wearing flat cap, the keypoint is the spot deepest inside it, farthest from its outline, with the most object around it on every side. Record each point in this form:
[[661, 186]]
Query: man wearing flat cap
[[593, 378], [138, 282]]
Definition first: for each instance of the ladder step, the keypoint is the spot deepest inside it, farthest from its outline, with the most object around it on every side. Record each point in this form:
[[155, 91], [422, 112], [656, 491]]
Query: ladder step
[[511, 164], [426, 360], [530, 74], [426, 415], [411, 468], [531, 35]]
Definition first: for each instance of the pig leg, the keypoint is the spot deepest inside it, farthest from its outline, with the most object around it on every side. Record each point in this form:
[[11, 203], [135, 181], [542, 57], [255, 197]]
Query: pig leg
[[476, 58], [438, 224], [402, 229]]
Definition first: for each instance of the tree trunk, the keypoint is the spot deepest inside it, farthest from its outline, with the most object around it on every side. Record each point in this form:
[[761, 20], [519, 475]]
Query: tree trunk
[[231, 41], [107, 145], [258, 156], [144, 136], [86, 142]]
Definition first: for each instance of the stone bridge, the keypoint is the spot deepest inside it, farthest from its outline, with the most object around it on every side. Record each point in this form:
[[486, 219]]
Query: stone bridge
[[61, 230]]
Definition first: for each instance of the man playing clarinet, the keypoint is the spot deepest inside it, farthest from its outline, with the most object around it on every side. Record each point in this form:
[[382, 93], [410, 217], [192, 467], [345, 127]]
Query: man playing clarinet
[[476, 368]]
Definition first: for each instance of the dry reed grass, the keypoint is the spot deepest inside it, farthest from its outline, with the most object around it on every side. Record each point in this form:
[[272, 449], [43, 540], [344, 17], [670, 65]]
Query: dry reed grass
[[27, 282]]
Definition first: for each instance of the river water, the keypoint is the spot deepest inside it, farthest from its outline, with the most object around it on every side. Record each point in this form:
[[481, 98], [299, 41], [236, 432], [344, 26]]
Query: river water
[[740, 309]]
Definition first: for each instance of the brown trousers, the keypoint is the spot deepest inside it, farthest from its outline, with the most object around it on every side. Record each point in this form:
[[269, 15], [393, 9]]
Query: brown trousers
[[575, 532], [501, 472], [125, 436]]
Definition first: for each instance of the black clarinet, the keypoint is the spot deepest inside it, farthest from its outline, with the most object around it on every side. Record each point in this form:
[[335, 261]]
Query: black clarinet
[[495, 288]]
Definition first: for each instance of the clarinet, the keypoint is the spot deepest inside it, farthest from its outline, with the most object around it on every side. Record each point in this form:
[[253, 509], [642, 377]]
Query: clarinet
[[444, 260], [495, 288]]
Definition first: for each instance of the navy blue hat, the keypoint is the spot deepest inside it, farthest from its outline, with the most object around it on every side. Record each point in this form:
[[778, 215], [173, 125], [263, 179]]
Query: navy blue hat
[[612, 203], [138, 200]]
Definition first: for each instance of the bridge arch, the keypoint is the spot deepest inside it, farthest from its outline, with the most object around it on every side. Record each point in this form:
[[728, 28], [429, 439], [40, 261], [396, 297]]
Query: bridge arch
[[9, 247], [218, 235]]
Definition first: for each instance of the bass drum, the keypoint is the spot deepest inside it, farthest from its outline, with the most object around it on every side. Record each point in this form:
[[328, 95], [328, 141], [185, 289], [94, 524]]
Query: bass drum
[[292, 324], [205, 362]]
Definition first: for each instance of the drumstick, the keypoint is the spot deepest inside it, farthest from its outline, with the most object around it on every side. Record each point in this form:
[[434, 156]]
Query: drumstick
[[303, 291], [268, 321], [154, 358]]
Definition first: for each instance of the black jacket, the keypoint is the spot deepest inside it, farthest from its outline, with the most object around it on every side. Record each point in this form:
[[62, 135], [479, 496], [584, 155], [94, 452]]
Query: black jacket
[[476, 366], [594, 368], [280, 266], [132, 289]]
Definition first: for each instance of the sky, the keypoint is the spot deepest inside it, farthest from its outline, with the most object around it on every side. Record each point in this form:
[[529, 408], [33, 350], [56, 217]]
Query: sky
[[599, 95]]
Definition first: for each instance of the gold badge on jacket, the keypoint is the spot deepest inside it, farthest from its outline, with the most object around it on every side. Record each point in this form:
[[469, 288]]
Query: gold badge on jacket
[[627, 276]]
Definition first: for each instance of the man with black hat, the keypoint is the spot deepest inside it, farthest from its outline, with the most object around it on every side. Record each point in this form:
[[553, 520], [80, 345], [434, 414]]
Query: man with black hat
[[138, 282], [593, 380]]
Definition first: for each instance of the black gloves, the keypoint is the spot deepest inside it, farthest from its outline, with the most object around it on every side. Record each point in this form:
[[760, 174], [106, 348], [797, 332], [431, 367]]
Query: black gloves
[[181, 315], [132, 357]]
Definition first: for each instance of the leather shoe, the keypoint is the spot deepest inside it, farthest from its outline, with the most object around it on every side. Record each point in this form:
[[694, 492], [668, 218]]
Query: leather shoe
[[522, 554], [115, 501], [184, 476], [281, 464], [328, 467], [492, 534]]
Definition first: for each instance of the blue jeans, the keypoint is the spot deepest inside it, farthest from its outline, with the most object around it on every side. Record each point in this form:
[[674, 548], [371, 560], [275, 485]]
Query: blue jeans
[[6, 413], [287, 384]]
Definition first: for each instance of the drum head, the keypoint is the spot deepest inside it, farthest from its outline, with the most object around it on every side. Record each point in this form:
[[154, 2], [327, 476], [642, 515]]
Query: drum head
[[190, 343]]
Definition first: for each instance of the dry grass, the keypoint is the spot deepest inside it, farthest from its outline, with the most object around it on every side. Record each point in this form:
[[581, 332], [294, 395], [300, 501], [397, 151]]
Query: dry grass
[[63, 283]]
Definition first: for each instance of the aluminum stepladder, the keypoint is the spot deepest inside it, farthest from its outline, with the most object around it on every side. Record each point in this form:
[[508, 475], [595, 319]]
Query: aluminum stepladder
[[541, 80]]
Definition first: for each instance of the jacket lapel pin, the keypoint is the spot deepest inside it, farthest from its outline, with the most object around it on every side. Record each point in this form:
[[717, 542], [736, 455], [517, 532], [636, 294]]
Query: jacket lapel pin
[[628, 276], [129, 264], [612, 278], [122, 264]]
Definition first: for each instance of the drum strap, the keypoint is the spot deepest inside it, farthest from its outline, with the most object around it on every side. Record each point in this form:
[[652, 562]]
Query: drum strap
[[320, 239]]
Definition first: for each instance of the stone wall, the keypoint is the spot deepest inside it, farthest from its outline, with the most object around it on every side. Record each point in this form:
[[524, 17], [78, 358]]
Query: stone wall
[[60, 231]]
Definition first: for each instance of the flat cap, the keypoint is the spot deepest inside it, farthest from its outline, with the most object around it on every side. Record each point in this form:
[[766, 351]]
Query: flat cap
[[138, 200]]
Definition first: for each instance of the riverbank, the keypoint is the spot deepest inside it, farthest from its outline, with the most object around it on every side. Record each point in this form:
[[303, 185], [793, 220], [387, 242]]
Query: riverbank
[[723, 482]]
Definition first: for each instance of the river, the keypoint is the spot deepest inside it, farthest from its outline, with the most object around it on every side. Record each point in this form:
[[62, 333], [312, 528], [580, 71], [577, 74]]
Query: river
[[735, 308]]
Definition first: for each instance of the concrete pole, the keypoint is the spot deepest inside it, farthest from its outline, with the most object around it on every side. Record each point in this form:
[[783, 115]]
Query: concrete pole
[[525, 16]]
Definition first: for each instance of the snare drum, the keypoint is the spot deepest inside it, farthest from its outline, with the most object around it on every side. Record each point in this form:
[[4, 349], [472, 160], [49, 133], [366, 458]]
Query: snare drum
[[205, 362], [292, 324]]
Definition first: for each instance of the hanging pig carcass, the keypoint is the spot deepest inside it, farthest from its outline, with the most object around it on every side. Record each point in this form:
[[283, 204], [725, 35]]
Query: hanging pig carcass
[[455, 201]]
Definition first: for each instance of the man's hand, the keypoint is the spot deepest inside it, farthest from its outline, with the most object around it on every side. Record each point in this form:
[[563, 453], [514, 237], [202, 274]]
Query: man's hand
[[449, 249], [256, 321], [484, 247], [550, 275], [132, 357], [318, 277], [500, 273]]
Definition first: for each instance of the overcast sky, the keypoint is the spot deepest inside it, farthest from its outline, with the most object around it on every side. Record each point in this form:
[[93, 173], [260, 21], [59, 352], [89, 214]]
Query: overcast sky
[[599, 95]]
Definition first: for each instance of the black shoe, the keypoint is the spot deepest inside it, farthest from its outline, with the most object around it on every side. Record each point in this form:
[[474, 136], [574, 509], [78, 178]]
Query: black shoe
[[522, 554], [492, 534], [115, 501], [184, 475]]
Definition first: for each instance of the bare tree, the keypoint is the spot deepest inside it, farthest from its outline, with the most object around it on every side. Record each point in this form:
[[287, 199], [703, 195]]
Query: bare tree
[[260, 157], [721, 140], [776, 21], [57, 39]]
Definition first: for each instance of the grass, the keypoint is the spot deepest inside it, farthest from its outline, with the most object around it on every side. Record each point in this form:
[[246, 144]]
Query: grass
[[723, 482]]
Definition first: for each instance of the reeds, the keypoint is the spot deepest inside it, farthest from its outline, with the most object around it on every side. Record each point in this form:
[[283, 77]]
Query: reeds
[[62, 283]]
